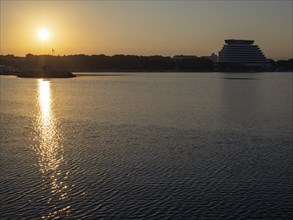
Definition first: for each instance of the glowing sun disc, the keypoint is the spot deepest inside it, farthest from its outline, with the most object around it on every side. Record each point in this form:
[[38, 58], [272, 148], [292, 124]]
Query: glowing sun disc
[[43, 34]]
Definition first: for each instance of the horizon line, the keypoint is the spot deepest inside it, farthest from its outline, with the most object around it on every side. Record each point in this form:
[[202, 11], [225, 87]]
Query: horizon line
[[127, 55]]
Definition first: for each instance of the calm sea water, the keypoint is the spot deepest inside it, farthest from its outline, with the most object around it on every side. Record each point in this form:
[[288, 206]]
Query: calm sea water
[[147, 146]]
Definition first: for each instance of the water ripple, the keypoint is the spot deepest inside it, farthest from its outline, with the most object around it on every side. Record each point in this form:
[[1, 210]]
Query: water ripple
[[129, 172]]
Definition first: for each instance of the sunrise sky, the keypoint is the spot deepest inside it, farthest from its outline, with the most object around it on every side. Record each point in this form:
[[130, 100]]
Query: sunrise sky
[[144, 27]]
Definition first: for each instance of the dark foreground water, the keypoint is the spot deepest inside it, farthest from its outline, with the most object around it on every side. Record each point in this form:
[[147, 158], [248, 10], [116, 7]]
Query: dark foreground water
[[147, 146]]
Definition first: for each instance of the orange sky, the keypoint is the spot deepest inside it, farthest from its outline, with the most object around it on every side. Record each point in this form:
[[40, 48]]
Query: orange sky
[[144, 27]]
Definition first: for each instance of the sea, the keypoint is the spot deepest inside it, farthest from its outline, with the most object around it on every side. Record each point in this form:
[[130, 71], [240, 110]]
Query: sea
[[147, 146]]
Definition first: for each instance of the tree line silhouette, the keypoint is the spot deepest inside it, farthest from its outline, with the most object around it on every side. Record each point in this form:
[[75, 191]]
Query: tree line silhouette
[[81, 62]]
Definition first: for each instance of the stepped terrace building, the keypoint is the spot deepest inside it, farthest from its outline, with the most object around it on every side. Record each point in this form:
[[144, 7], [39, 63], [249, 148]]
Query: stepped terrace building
[[242, 52]]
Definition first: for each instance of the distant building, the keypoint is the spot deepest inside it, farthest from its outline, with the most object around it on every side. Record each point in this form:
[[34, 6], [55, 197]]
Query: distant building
[[213, 57], [183, 57], [193, 63], [242, 52], [7, 70]]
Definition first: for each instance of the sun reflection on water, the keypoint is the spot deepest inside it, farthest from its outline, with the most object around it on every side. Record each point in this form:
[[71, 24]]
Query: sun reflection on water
[[50, 154]]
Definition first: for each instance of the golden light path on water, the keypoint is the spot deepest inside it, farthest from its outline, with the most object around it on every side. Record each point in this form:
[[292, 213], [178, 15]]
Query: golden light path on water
[[50, 153]]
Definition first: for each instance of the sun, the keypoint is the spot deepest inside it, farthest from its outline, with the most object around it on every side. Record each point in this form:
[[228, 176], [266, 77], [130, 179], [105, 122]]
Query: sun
[[43, 34]]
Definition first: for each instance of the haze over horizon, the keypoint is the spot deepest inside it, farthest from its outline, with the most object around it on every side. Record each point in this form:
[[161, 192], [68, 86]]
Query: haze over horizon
[[144, 27]]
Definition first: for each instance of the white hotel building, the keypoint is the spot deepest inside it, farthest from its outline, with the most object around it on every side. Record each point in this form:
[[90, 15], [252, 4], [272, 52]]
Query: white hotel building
[[242, 52]]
